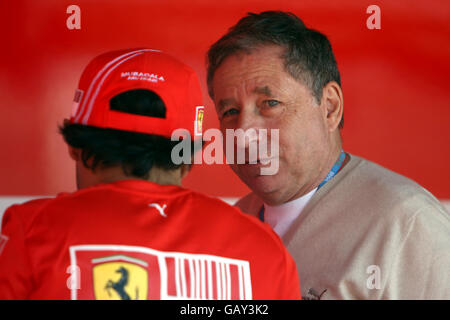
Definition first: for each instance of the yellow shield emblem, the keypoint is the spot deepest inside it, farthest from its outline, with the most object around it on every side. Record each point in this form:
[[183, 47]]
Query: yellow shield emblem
[[120, 278], [200, 121]]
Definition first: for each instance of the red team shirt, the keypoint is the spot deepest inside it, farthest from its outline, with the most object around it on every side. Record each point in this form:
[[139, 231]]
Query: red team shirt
[[134, 239]]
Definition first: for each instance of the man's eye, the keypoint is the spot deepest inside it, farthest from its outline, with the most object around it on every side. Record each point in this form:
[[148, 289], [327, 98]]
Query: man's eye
[[271, 103], [230, 112]]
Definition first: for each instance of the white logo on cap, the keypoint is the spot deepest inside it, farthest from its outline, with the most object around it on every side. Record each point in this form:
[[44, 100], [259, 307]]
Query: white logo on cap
[[143, 76], [76, 101], [3, 240]]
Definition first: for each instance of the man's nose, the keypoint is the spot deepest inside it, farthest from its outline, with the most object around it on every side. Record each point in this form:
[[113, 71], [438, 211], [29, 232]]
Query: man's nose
[[250, 124]]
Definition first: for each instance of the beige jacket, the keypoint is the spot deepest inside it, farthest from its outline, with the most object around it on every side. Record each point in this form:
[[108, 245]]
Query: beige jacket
[[369, 233]]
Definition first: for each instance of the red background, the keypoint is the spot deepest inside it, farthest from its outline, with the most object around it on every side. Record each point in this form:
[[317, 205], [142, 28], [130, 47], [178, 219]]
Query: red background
[[395, 80]]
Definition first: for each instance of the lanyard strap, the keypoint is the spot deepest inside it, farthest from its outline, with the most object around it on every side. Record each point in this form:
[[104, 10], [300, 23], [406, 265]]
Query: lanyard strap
[[334, 170]]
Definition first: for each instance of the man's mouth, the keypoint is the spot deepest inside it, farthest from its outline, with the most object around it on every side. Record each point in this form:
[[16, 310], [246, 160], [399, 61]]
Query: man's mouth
[[259, 162]]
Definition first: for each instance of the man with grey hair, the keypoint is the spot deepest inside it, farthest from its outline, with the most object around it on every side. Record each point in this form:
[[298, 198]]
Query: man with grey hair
[[355, 229]]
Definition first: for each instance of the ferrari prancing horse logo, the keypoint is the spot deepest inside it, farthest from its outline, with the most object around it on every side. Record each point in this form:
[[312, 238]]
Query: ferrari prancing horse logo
[[120, 278], [199, 112]]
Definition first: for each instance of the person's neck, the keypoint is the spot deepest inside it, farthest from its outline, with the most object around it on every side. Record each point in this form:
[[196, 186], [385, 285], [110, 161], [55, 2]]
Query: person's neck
[[331, 159], [87, 178]]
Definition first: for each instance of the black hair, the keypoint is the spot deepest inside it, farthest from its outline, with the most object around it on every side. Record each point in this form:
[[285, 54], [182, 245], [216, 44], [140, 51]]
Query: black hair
[[308, 55], [136, 152]]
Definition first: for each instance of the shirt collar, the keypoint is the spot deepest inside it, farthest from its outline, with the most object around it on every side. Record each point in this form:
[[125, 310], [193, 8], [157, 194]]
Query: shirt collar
[[281, 217]]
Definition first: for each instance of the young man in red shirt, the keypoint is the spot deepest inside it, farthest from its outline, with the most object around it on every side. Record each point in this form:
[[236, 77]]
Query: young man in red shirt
[[131, 231]]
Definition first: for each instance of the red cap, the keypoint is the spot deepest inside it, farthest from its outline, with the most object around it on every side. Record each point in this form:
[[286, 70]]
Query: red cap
[[118, 71]]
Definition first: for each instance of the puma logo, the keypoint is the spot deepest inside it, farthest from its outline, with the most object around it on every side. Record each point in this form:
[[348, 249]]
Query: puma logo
[[159, 208]]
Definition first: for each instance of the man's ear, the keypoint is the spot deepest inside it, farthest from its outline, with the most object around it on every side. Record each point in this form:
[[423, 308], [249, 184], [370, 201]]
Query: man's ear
[[333, 100], [74, 153]]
